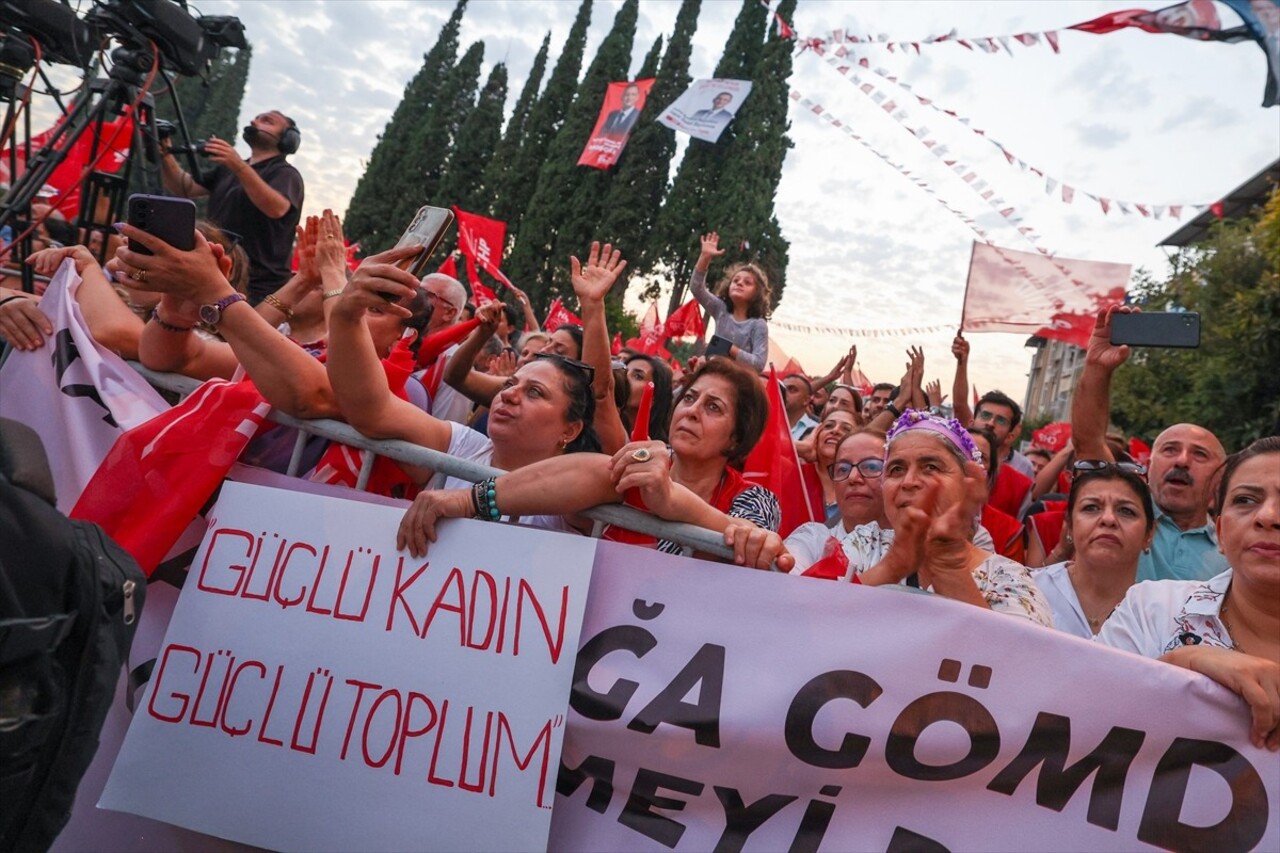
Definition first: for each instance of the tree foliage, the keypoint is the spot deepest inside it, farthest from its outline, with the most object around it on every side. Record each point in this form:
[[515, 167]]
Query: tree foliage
[[213, 108], [462, 182], [500, 172], [368, 219], [1231, 384]]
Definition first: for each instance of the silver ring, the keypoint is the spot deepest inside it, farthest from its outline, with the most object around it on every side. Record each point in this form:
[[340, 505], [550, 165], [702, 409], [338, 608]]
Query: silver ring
[[641, 454]]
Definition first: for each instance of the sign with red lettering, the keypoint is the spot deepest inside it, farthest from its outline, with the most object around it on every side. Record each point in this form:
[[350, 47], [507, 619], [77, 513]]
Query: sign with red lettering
[[318, 689], [717, 708]]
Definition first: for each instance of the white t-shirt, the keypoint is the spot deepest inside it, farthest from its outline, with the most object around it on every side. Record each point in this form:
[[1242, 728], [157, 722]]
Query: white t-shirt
[[448, 403], [1159, 616], [466, 443]]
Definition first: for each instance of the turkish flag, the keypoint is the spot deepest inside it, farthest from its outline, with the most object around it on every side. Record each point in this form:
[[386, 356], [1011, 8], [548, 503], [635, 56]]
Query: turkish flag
[[558, 315], [773, 463], [833, 565], [481, 241], [1030, 294], [159, 474], [1140, 451], [616, 349], [686, 321]]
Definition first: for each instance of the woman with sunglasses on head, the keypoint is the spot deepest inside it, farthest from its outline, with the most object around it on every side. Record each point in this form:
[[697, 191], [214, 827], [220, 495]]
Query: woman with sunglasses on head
[[1109, 521], [718, 418], [543, 411], [1227, 627]]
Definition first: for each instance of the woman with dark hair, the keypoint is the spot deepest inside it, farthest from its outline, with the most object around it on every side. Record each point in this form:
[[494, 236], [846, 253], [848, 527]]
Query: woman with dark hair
[[543, 411], [481, 388], [836, 426], [845, 398], [717, 420], [1227, 627], [1110, 520], [740, 304], [1007, 533], [641, 370]]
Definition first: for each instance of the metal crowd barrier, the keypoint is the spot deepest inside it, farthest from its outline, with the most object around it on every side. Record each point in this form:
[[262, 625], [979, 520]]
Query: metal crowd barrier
[[690, 537]]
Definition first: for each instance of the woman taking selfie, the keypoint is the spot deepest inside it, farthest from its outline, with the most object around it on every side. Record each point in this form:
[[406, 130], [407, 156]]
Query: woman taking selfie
[[1227, 627]]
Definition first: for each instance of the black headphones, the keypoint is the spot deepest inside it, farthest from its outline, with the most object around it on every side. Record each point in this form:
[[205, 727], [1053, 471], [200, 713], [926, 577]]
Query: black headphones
[[289, 141]]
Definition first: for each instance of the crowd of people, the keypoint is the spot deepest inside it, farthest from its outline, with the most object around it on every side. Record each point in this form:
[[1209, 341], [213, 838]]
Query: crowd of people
[[1177, 559]]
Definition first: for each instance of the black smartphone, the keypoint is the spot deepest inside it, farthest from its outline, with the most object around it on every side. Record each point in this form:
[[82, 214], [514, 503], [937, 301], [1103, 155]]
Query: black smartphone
[[427, 229], [1179, 329], [718, 346], [171, 219]]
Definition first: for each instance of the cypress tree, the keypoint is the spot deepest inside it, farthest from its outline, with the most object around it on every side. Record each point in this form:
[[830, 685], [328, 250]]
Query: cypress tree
[[212, 109], [368, 219], [501, 169], [462, 183], [545, 120], [640, 182], [674, 238], [742, 205], [569, 199]]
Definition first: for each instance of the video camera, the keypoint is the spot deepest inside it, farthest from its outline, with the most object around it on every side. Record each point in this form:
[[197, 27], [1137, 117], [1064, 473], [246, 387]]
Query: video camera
[[166, 129]]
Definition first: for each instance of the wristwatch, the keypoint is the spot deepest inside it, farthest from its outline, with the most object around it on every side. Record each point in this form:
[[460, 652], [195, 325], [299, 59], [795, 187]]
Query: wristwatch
[[211, 314]]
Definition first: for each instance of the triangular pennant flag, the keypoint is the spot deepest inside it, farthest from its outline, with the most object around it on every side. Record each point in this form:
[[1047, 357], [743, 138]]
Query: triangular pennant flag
[[1068, 194], [1052, 37]]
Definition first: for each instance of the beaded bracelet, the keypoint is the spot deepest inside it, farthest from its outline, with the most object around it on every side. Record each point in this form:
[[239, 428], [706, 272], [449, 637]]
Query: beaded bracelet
[[169, 327], [484, 500], [275, 303], [330, 294]]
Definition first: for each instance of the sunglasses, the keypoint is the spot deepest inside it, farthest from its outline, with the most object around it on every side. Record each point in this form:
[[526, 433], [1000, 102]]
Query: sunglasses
[[580, 366], [869, 468], [1087, 466]]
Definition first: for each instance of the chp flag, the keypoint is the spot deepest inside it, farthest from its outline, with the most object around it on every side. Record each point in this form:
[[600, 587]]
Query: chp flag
[[706, 108], [1028, 293], [481, 241], [619, 113]]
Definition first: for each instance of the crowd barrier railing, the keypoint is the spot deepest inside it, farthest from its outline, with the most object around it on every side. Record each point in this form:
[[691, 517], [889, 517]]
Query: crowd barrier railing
[[690, 537]]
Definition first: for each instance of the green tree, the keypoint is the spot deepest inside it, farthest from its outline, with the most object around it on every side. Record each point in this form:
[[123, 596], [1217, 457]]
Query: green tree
[[368, 218], [500, 172], [741, 205], [463, 180], [1230, 384], [545, 119], [569, 199], [213, 108], [702, 171]]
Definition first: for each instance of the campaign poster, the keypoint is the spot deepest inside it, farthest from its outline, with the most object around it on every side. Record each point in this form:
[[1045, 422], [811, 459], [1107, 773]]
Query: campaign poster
[[623, 103], [706, 108]]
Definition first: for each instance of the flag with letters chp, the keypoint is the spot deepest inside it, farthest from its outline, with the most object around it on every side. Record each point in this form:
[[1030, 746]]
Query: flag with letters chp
[[481, 241], [160, 474], [558, 315], [774, 464], [77, 394], [686, 321]]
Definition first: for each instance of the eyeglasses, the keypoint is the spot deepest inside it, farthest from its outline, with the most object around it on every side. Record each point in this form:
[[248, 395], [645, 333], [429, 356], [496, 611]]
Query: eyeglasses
[[1089, 466], [998, 420], [233, 238], [869, 468], [442, 304], [581, 366]]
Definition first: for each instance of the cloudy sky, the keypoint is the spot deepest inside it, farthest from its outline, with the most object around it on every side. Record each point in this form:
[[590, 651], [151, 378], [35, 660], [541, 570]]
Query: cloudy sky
[[1147, 118]]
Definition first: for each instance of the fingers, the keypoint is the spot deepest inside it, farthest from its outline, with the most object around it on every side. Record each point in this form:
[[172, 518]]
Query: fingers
[[141, 238], [23, 325]]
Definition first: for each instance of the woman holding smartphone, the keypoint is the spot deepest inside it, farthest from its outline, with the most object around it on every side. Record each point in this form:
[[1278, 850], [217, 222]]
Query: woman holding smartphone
[[740, 305]]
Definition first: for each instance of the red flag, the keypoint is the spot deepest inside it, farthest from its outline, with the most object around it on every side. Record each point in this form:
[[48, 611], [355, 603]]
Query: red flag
[[481, 241], [481, 294], [1052, 436], [67, 178], [1029, 294], [449, 267], [558, 315], [1196, 19], [773, 463], [619, 111], [159, 474], [1140, 451], [862, 383], [1218, 209], [686, 321], [438, 342], [616, 349], [833, 564], [640, 432]]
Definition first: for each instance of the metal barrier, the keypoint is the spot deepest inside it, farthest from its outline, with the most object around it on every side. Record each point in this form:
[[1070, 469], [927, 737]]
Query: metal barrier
[[690, 537]]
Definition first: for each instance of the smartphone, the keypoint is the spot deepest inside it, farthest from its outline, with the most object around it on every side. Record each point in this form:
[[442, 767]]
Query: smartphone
[[718, 346], [427, 229], [1170, 329], [171, 219]]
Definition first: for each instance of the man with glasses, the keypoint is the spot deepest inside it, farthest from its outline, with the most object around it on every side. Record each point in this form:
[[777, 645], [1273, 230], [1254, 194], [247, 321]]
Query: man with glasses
[[1184, 460], [1011, 492], [447, 297]]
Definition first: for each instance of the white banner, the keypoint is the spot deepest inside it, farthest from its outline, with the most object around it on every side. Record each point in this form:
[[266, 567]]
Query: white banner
[[318, 690], [77, 394], [720, 708], [706, 108]]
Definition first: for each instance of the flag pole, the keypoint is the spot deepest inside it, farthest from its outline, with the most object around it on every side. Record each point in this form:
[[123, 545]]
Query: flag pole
[[973, 250]]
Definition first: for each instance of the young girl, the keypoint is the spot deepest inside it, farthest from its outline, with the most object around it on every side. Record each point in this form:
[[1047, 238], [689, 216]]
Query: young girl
[[740, 304]]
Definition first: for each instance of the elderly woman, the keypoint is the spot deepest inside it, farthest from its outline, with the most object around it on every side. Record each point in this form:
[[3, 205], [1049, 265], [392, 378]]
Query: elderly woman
[[933, 488], [717, 420], [1110, 520], [1227, 627]]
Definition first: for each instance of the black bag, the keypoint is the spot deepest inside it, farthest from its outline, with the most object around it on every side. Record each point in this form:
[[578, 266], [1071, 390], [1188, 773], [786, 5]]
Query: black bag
[[69, 603]]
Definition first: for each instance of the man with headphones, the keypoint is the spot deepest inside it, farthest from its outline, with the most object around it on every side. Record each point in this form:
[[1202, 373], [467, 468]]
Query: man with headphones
[[259, 199]]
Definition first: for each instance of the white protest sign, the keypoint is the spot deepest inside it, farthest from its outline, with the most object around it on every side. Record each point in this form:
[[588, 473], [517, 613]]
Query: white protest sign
[[318, 690], [718, 708], [706, 107]]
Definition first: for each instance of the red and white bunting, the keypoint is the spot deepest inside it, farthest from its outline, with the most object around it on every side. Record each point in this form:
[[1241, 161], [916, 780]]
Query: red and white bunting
[[807, 329]]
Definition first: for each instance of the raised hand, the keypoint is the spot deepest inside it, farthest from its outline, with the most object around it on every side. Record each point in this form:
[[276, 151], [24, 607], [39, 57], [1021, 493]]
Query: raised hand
[[711, 245], [489, 316], [331, 250], [960, 348], [306, 235], [224, 154], [934, 391], [592, 281], [1101, 351], [378, 275], [504, 364]]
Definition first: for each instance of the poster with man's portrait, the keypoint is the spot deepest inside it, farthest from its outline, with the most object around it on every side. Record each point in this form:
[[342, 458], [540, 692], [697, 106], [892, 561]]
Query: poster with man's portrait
[[706, 108], [619, 113]]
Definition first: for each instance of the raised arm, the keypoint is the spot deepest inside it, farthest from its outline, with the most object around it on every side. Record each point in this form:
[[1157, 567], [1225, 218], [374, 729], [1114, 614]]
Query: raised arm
[[1047, 479], [960, 385], [530, 319], [355, 371], [698, 282], [592, 281], [478, 387], [270, 202], [1091, 402]]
